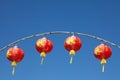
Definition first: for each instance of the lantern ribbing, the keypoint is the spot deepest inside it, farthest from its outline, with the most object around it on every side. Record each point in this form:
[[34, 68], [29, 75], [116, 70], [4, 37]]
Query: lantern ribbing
[[59, 32]]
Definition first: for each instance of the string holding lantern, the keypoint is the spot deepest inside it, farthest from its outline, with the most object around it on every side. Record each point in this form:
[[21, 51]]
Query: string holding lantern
[[15, 55], [72, 44], [43, 46], [102, 52]]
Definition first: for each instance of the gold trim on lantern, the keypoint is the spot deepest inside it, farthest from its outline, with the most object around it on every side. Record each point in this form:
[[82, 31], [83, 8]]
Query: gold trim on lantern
[[14, 63], [72, 52], [43, 54], [103, 61], [8, 53], [97, 51], [70, 41], [40, 43]]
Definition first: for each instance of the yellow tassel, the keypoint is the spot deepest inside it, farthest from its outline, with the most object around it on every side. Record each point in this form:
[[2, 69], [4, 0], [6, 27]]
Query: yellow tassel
[[43, 55], [72, 53], [14, 63], [13, 71], [103, 62]]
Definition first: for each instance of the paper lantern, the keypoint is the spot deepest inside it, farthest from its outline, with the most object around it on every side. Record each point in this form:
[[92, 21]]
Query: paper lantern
[[44, 46], [102, 52], [15, 55], [72, 44]]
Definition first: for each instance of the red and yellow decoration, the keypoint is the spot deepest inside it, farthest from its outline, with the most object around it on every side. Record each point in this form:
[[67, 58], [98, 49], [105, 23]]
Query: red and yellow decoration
[[102, 52], [15, 55], [72, 44], [44, 46]]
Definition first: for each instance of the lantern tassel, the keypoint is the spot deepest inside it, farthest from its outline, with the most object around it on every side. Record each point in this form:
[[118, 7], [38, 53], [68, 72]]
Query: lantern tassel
[[14, 63], [103, 62], [42, 60], [72, 53], [43, 55], [13, 71], [71, 59], [103, 67]]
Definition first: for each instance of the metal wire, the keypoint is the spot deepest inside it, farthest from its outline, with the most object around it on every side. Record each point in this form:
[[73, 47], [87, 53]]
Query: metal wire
[[59, 32]]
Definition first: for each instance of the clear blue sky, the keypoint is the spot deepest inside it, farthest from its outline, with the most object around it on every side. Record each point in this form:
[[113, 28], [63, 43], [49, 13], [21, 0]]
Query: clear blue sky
[[21, 18]]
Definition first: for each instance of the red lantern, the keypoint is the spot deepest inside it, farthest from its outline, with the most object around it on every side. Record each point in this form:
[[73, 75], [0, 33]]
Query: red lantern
[[44, 46], [102, 52], [15, 55], [72, 44]]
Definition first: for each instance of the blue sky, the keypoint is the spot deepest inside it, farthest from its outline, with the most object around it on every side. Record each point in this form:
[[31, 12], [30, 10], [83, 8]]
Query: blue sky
[[21, 18]]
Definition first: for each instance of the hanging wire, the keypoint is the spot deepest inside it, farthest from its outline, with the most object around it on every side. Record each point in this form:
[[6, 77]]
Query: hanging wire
[[58, 32]]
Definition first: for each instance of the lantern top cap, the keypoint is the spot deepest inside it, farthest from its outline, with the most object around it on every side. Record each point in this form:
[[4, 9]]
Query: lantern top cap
[[103, 44], [15, 46]]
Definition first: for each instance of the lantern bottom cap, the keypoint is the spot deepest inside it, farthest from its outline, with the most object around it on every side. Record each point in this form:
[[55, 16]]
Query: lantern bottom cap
[[14, 63]]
